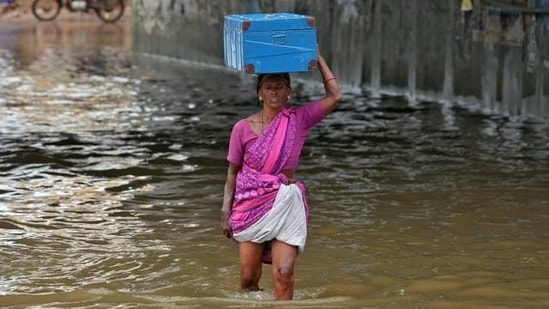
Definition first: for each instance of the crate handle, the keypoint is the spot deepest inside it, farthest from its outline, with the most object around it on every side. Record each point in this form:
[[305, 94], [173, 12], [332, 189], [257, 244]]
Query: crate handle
[[279, 39]]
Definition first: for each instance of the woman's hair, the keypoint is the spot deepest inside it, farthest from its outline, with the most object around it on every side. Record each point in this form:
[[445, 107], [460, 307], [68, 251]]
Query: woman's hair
[[262, 77]]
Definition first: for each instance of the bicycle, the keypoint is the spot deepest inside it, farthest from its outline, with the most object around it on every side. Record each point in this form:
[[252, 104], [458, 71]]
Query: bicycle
[[108, 11]]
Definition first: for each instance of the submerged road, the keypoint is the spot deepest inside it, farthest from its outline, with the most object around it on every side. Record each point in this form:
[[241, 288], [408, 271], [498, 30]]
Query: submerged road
[[111, 175]]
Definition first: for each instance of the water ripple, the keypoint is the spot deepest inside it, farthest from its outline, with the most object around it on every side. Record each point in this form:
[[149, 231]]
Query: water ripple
[[112, 179]]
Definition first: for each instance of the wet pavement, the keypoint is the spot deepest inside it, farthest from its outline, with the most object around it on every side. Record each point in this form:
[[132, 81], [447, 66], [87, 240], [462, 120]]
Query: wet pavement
[[112, 167]]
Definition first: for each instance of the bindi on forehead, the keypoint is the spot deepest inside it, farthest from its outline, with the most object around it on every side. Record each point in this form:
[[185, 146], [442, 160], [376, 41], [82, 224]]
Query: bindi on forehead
[[273, 81], [274, 84]]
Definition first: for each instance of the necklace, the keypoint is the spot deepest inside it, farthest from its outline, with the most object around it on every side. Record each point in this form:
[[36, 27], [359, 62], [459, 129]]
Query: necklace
[[263, 122]]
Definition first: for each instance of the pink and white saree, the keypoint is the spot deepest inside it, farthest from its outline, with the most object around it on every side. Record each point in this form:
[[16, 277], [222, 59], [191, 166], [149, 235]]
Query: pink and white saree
[[265, 205]]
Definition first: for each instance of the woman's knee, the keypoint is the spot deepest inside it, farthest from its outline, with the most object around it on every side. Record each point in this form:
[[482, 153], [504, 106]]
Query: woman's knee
[[284, 273], [250, 276], [283, 270], [250, 264]]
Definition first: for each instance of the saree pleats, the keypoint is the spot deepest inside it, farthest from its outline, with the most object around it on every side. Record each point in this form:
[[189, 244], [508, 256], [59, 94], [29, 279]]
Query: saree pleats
[[265, 206]]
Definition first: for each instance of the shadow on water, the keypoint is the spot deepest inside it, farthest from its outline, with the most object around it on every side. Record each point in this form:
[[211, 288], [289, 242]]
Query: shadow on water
[[112, 168]]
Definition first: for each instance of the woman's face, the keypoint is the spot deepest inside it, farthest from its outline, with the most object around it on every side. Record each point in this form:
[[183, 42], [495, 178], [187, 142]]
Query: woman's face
[[274, 92]]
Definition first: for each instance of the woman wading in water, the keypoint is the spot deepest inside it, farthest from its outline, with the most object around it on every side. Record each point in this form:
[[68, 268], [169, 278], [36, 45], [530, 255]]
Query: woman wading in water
[[264, 205]]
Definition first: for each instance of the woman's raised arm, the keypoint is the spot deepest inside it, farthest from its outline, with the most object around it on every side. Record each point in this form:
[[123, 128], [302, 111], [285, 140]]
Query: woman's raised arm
[[331, 85]]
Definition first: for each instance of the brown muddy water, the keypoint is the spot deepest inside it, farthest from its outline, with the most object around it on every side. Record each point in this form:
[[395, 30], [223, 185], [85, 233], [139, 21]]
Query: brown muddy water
[[112, 167]]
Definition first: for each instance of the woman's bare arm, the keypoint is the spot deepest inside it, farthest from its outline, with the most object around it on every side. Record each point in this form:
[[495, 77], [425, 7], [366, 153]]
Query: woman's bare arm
[[228, 194], [331, 85]]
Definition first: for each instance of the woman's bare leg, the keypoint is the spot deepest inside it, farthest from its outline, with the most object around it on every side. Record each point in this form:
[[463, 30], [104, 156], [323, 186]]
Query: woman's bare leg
[[251, 255], [284, 257]]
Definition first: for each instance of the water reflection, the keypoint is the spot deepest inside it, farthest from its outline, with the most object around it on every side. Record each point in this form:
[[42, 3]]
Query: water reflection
[[112, 169]]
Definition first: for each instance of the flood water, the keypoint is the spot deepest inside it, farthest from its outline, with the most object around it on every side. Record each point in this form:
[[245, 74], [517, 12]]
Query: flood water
[[112, 167]]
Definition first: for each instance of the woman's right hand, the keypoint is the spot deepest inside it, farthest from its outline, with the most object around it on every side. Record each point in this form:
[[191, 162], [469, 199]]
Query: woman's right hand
[[228, 193], [225, 227]]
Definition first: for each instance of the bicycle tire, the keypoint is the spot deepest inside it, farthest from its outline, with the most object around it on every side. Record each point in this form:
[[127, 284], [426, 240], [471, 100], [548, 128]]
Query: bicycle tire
[[110, 11], [40, 6]]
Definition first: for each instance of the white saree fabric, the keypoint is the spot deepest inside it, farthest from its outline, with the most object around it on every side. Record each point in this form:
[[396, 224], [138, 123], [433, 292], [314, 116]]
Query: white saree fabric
[[286, 221]]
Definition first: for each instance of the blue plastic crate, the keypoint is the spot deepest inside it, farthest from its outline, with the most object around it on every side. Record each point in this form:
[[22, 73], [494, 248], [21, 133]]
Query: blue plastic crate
[[270, 43]]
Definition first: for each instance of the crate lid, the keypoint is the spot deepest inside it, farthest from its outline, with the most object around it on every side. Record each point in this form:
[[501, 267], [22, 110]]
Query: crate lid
[[258, 22]]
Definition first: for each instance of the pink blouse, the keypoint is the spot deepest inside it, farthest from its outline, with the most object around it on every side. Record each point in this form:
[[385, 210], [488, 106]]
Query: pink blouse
[[242, 135]]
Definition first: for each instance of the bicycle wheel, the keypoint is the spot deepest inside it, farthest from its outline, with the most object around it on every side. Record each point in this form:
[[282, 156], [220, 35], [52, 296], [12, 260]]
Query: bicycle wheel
[[46, 9], [109, 11]]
